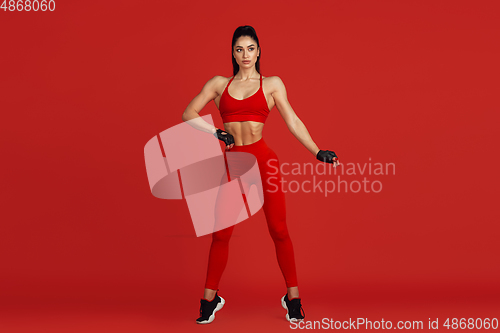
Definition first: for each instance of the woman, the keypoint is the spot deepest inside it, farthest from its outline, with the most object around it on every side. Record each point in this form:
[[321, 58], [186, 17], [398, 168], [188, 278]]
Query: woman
[[244, 101]]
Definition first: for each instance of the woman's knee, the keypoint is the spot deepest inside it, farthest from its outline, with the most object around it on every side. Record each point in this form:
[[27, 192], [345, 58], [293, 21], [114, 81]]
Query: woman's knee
[[279, 234], [223, 235]]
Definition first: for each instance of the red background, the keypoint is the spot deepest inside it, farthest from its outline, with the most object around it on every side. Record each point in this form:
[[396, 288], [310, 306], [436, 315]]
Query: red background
[[86, 247]]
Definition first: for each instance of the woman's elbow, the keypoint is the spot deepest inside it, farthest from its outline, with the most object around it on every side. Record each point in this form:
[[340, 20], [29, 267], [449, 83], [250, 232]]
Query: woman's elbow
[[189, 114], [185, 116]]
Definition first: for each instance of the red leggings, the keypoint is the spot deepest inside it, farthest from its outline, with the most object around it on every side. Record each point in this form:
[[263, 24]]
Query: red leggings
[[275, 212]]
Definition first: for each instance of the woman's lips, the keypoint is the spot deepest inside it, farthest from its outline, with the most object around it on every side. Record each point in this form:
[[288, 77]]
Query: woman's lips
[[246, 61]]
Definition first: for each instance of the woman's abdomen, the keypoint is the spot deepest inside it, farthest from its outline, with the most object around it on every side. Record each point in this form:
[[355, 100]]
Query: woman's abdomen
[[244, 132]]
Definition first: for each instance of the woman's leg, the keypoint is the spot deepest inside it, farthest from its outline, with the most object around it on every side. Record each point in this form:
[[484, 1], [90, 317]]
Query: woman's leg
[[275, 211], [217, 261], [219, 249], [227, 210], [292, 292]]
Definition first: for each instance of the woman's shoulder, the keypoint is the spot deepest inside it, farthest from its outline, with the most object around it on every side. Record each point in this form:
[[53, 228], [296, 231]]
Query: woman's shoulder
[[273, 83], [274, 77], [222, 78], [272, 80], [217, 81]]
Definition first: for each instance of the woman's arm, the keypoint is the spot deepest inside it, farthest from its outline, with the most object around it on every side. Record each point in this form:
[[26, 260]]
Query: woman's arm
[[191, 114], [293, 122], [192, 117]]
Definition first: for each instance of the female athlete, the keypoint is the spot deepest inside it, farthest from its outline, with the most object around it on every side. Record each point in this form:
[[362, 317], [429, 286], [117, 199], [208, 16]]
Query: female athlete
[[244, 101]]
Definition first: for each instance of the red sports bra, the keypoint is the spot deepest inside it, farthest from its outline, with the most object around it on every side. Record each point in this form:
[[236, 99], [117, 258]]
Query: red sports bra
[[253, 108]]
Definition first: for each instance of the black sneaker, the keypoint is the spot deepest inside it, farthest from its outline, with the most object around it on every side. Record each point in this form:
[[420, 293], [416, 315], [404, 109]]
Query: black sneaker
[[208, 309], [294, 308]]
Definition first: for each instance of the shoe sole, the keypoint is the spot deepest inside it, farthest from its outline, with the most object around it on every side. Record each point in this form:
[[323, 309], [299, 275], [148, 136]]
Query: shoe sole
[[283, 304], [212, 316]]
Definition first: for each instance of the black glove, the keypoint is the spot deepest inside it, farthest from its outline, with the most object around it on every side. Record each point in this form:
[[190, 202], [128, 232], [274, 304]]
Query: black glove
[[326, 156], [227, 138]]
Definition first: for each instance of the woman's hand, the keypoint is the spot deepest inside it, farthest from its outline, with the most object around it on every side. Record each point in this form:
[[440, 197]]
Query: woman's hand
[[328, 156], [225, 137]]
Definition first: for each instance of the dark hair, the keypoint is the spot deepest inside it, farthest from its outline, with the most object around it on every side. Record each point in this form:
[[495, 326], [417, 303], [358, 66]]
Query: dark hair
[[244, 30]]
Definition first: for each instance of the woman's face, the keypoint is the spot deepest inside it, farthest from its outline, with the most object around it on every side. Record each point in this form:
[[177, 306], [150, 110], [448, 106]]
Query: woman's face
[[245, 51]]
